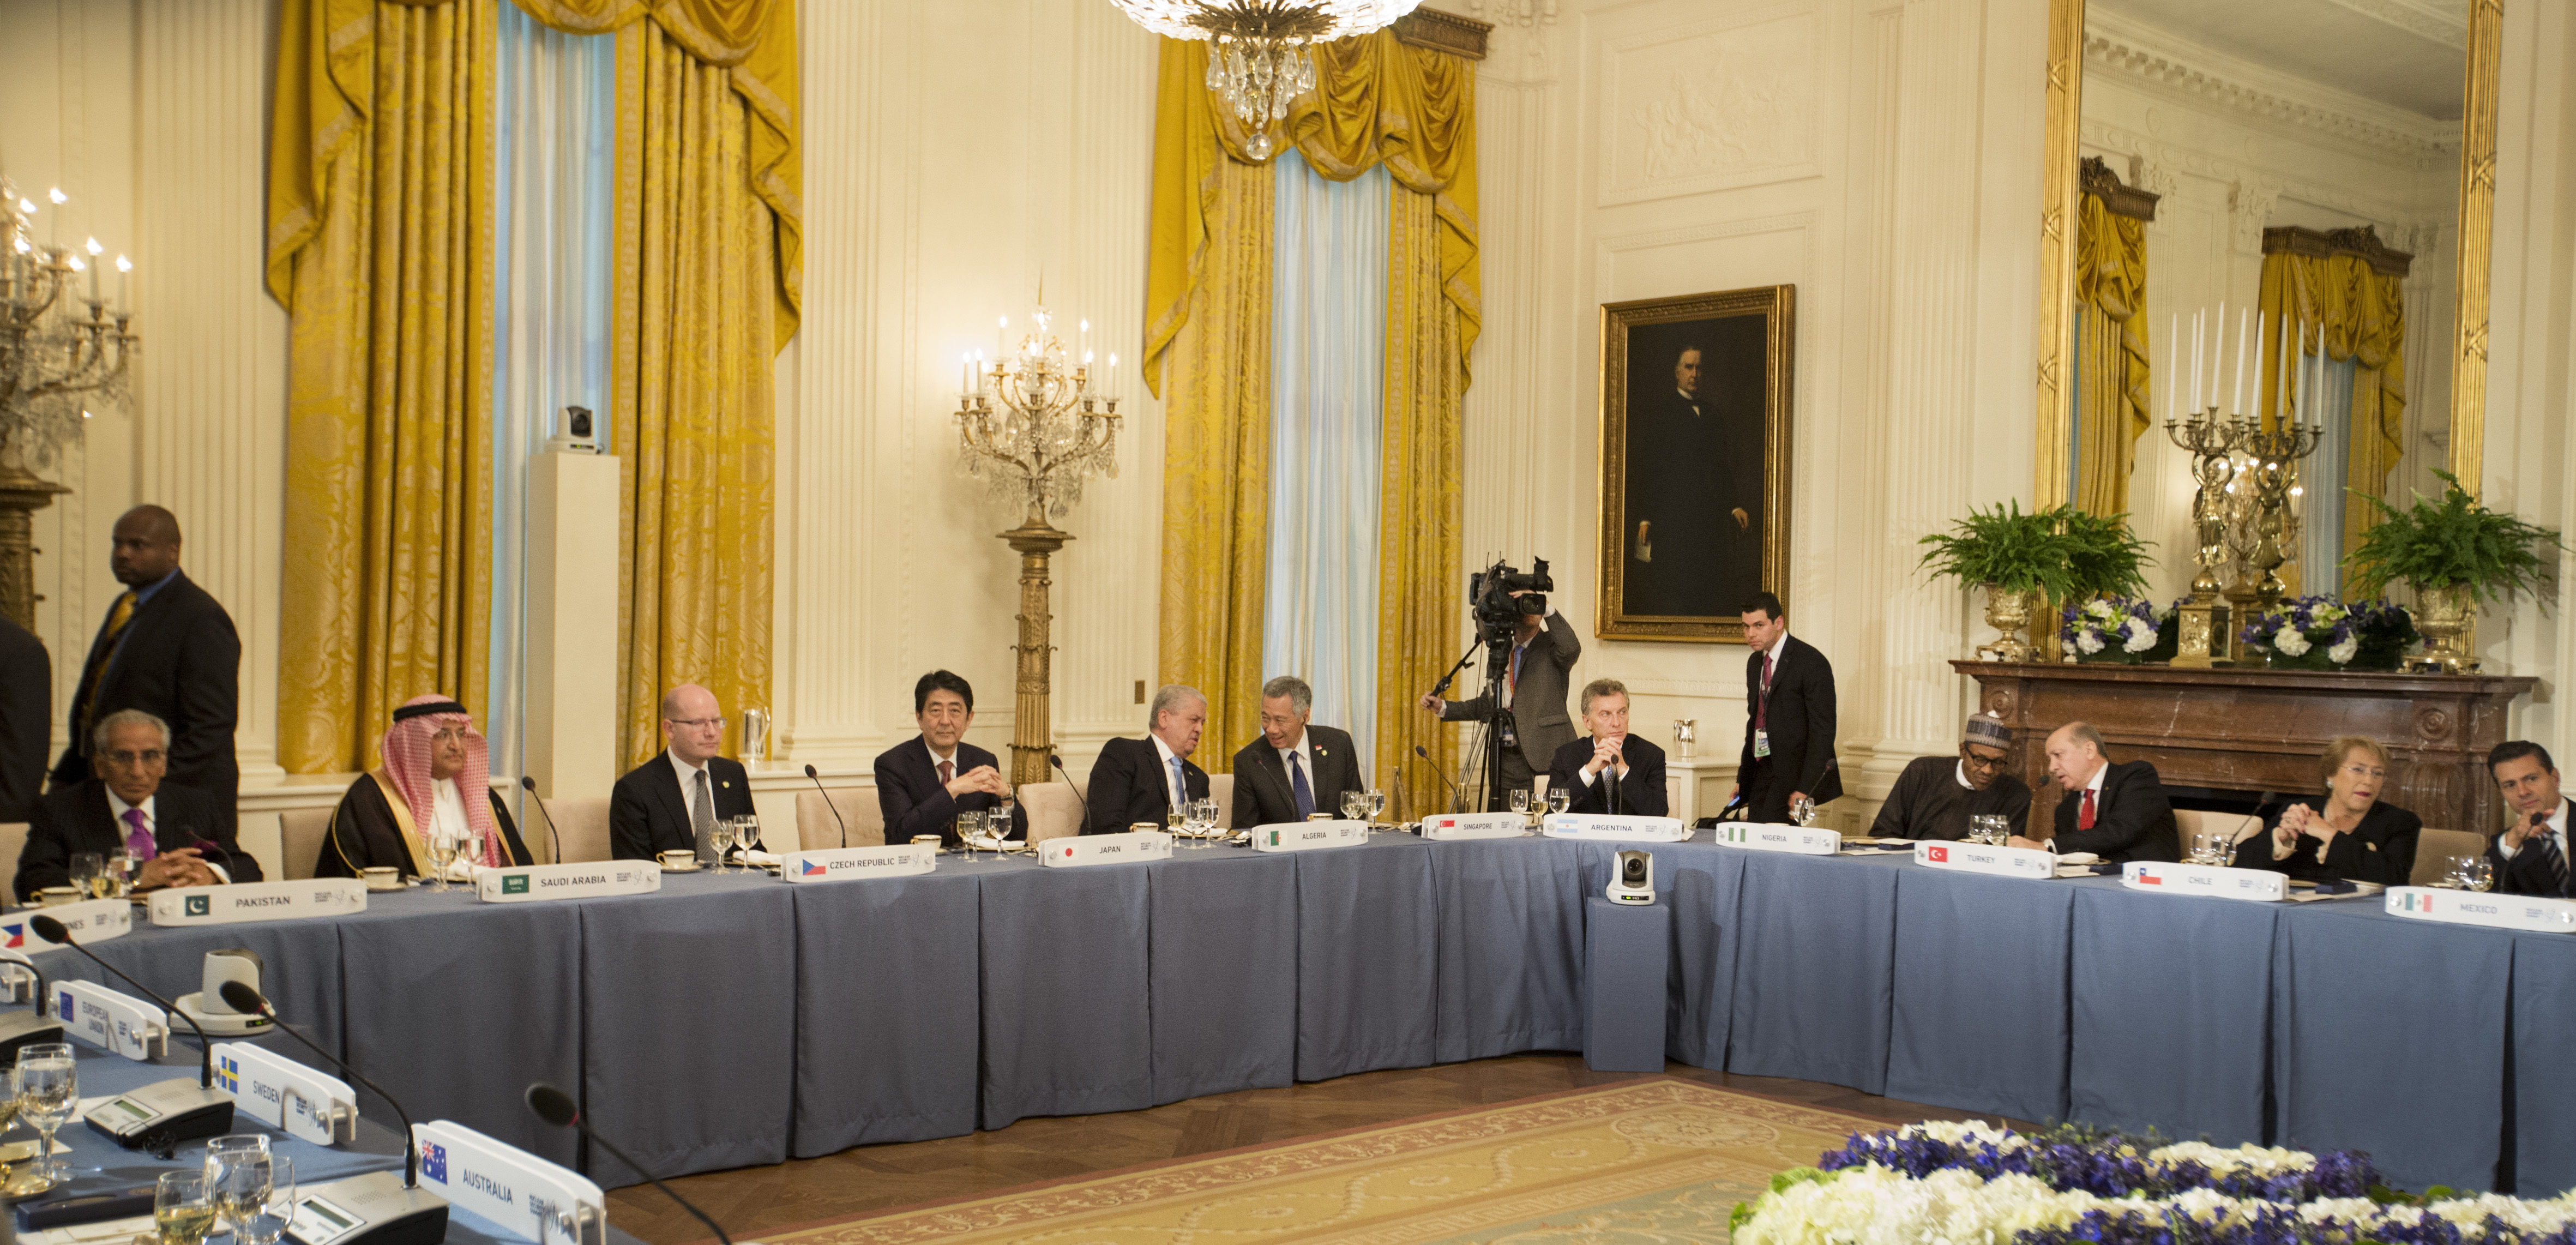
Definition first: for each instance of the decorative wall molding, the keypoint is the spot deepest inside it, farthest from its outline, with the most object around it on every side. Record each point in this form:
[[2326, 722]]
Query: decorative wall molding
[[2363, 242], [2097, 180], [2161, 166], [1712, 105], [1519, 46], [2124, 48], [1801, 223], [2249, 206], [1444, 32], [2441, 23]]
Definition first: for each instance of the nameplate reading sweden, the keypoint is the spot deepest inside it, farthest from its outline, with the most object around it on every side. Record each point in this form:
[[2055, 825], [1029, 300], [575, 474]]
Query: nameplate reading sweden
[[89, 921], [1475, 826], [286, 1095], [258, 901], [2002, 862], [1771, 837], [524, 883], [1306, 836], [2530, 913], [111, 1021], [530, 1198], [2214, 880], [1615, 828], [1132, 847], [845, 864]]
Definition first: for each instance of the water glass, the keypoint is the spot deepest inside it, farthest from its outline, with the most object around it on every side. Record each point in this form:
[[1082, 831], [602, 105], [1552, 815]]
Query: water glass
[[746, 833], [720, 837], [87, 868], [970, 827], [46, 1083], [440, 847], [1352, 803], [1559, 799], [263, 1223], [183, 1208], [237, 1172], [1803, 811], [997, 820], [121, 867], [1521, 800], [2479, 875], [1376, 804]]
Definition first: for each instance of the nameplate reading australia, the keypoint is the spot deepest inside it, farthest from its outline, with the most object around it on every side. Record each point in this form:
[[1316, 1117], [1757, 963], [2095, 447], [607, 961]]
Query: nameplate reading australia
[[2002, 862], [119, 1023], [89, 921], [258, 901], [1615, 828], [1773, 837], [530, 1198], [2529, 913], [1133, 847], [286, 1095], [524, 883], [1304, 836], [2217, 881], [1475, 825], [843, 864]]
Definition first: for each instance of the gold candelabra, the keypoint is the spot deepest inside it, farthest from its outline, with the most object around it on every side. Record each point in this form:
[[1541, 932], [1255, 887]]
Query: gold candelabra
[[2204, 627]]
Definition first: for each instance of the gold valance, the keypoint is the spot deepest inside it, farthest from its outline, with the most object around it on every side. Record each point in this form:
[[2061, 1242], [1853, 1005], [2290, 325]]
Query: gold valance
[[2362, 309], [2113, 406]]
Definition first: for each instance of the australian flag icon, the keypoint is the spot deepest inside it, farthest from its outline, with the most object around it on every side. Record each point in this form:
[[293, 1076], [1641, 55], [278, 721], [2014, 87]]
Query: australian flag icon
[[433, 1162]]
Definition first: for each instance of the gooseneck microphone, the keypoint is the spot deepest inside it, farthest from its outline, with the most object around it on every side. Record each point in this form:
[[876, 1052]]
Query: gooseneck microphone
[[1445, 780], [529, 785], [556, 1107], [845, 842], [240, 997], [1078, 793], [52, 931]]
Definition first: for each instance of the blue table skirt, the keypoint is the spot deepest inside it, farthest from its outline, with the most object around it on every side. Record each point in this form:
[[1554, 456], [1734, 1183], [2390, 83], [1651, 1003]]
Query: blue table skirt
[[1978, 1013], [1815, 969], [1368, 956], [1511, 947], [1223, 981], [2172, 1015]]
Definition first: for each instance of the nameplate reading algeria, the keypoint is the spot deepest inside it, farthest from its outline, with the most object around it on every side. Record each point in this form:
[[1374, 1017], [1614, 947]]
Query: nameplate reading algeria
[[2524, 912], [845, 864], [2218, 881], [2002, 862], [530, 1198], [111, 1021], [1132, 847], [527, 883], [1306, 836], [89, 921], [1615, 827], [1773, 837], [286, 1095], [258, 901], [1475, 826]]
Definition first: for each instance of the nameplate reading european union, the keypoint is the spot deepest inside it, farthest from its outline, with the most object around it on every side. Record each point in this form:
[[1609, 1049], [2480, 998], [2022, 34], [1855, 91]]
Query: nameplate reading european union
[[89, 921], [258, 901], [1306, 836], [2002, 862], [1475, 825], [1615, 828], [286, 1095], [523, 883], [111, 1021], [2217, 881], [530, 1198], [1774, 837], [2529, 913], [1132, 847], [844, 864]]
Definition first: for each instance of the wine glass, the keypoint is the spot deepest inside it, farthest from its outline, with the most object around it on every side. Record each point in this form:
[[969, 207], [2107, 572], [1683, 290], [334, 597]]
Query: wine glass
[[2479, 873], [997, 819], [87, 868], [970, 826], [1520, 800], [183, 1208], [440, 847], [1803, 811], [46, 1083], [238, 1171], [1376, 804], [746, 836], [120, 873], [1208, 827], [1559, 799], [1352, 801], [720, 837], [264, 1221]]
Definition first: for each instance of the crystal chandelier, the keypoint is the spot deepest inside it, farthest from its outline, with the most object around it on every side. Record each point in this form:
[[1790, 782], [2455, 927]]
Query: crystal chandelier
[[1259, 62], [1035, 422], [60, 353]]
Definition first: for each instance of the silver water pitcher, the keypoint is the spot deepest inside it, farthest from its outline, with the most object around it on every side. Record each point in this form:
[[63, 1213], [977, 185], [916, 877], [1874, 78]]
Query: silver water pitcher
[[755, 734]]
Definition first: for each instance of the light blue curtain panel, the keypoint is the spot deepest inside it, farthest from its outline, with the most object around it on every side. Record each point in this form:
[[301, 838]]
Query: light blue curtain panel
[[2322, 476]]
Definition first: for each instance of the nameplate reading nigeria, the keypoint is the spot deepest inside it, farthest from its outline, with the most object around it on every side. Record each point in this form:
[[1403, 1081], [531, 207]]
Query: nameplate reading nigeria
[[2530, 913], [529, 1197], [2213, 880], [844, 864], [1615, 828], [1475, 825], [89, 921], [1774, 837], [1132, 847], [2004, 862], [286, 1095], [522, 883], [258, 901], [111, 1021], [1306, 836]]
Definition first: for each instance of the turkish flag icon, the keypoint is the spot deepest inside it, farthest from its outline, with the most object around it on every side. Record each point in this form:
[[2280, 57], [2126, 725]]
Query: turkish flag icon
[[1937, 853]]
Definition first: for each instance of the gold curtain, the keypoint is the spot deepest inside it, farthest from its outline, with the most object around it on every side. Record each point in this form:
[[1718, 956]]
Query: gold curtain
[[1419, 501], [2112, 401], [2364, 316], [380, 245]]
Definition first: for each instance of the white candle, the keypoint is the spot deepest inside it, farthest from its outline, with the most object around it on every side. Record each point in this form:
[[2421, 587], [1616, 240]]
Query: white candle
[[2236, 392], [124, 274], [2217, 352], [2195, 364], [2173, 349], [1112, 387]]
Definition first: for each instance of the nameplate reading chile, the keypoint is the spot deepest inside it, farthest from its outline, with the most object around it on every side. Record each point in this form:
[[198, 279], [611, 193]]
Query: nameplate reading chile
[[525, 883], [846, 864], [1133, 847], [2216, 881], [258, 901], [1773, 837]]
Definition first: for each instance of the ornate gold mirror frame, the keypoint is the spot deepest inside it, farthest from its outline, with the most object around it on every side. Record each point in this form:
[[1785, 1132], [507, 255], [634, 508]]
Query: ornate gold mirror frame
[[2057, 244]]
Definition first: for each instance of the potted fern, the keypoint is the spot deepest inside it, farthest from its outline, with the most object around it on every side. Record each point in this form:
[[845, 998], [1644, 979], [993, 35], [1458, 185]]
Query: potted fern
[[2019, 559], [2456, 555]]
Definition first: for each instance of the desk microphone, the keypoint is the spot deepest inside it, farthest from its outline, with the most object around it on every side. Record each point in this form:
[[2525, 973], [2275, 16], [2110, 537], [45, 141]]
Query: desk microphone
[[242, 998], [385, 1213], [161, 1115], [556, 1107], [845, 842], [32, 1027], [529, 785], [1461, 805]]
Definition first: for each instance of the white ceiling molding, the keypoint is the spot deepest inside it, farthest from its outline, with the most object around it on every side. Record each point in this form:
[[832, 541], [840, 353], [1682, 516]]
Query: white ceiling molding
[[2132, 50], [2445, 24], [2399, 225]]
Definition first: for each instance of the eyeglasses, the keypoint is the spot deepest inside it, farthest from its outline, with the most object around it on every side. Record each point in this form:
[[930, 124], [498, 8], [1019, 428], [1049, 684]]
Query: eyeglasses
[[1982, 762], [150, 757], [452, 735], [716, 723]]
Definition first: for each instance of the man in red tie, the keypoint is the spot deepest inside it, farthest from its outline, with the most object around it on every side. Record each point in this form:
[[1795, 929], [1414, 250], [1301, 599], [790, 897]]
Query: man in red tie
[[176, 834], [925, 781], [2117, 812]]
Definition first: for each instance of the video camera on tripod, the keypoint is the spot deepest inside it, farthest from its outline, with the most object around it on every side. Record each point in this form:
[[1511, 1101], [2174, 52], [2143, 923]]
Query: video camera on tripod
[[1498, 614]]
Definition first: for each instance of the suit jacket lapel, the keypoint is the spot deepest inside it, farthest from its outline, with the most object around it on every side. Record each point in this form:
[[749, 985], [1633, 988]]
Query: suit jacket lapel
[[1265, 761], [666, 780]]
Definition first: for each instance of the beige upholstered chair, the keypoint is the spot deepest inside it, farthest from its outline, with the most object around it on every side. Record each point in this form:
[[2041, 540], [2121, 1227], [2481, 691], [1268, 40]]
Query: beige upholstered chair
[[2190, 821], [857, 806], [1538, 792], [1054, 810], [2434, 850], [584, 826], [300, 832], [1221, 789], [13, 841]]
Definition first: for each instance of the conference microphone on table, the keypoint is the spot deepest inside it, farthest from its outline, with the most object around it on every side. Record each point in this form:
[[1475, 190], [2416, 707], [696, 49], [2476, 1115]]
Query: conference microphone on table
[[556, 1107], [827, 803], [369, 1208], [160, 1115], [529, 785], [1058, 763], [242, 998], [1461, 796]]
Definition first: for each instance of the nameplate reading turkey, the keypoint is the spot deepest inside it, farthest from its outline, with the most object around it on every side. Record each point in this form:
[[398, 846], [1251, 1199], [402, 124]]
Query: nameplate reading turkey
[[89, 921], [525, 883], [1306, 836], [110, 1021], [2218, 881], [2529, 913], [286, 1095], [1475, 825], [2002, 862], [530, 1198], [1773, 837], [258, 901], [1132, 847], [843, 864], [1615, 828]]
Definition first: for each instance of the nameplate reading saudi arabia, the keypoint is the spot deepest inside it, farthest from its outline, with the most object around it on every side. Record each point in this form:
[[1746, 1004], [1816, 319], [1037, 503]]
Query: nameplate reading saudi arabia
[[1306, 836], [111, 1021], [89, 921], [1475, 825], [2004, 862], [286, 1095], [529, 1197], [1774, 837], [578, 880], [2530, 913], [2213, 880], [1615, 827], [258, 901], [844, 864], [1132, 847]]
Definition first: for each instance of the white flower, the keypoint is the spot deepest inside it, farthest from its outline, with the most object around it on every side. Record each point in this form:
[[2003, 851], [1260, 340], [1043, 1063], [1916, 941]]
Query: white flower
[[2223, 1160], [2344, 649], [2290, 641], [2142, 636], [2088, 640]]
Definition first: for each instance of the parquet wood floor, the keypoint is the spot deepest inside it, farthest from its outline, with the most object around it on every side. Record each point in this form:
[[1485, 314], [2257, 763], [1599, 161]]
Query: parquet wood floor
[[752, 1201]]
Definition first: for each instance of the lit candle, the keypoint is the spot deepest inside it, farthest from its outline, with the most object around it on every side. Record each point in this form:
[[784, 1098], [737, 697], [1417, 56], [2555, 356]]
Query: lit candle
[[54, 229], [1002, 339], [2195, 364], [124, 274], [2217, 353], [2236, 393], [2281, 370], [1083, 342], [1112, 387], [2173, 350]]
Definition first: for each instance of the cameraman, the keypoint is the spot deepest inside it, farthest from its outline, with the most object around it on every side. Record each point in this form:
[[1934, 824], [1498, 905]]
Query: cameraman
[[1544, 649]]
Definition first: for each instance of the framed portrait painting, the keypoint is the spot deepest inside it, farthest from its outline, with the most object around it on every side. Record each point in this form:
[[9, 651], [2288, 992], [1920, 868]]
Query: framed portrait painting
[[1695, 423]]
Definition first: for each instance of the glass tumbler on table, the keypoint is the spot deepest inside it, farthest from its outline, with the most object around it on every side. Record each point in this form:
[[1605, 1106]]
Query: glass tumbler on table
[[89, 874], [183, 1208], [46, 1083], [1559, 799], [238, 1170], [720, 837], [264, 1222]]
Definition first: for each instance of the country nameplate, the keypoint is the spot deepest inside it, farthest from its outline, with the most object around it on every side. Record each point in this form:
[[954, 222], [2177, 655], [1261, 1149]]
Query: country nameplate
[[258, 901], [1774, 837], [1129, 848], [1306, 836], [89, 921], [286, 1095], [110, 1021], [2002, 862], [2217, 881], [850, 864], [529, 1197], [1475, 826], [579, 880], [1615, 828], [2529, 913]]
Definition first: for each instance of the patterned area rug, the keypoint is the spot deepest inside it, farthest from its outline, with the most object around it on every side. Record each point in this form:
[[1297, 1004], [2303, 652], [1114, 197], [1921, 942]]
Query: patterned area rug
[[1652, 1160]]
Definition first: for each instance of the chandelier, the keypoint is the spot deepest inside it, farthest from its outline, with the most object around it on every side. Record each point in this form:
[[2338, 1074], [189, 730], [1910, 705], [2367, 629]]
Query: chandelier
[[1035, 423], [60, 353], [1259, 63]]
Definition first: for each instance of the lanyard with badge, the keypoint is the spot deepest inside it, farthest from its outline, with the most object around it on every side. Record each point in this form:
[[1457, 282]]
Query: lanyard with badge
[[1762, 733]]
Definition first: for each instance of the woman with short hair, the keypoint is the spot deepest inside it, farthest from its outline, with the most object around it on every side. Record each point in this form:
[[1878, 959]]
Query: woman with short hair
[[2356, 835]]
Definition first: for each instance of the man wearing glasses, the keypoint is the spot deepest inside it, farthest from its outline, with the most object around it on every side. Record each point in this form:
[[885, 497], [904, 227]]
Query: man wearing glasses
[[673, 802], [1934, 798], [177, 833]]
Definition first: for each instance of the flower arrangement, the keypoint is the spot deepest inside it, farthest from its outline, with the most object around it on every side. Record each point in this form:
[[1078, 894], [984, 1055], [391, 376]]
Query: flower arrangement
[[2322, 633], [2110, 629]]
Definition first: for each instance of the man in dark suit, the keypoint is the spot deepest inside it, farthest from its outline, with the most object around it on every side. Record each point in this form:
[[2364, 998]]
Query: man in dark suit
[[925, 781], [2117, 812], [1694, 477], [1788, 718], [26, 718], [1533, 687], [178, 834], [1635, 768], [169, 650], [1294, 768], [2530, 857], [672, 802], [1137, 779]]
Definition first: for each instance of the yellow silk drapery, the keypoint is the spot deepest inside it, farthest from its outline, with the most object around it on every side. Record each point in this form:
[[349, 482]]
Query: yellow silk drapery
[[2363, 313], [1419, 501], [2112, 405], [380, 244]]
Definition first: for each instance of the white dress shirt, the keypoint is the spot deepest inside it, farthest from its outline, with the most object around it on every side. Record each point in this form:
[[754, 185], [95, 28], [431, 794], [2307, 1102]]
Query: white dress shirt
[[936, 760], [151, 823], [1177, 795], [2557, 831], [2094, 786], [689, 786]]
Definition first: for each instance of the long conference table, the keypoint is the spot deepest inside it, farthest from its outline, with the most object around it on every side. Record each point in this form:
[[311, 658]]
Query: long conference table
[[727, 1021]]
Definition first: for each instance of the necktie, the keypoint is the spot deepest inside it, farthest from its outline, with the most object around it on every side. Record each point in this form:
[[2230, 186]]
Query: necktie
[[117, 617], [2545, 845], [702, 820], [1762, 703], [138, 837], [1298, 790], [1180, 784], [1512, 684], [2084, 815], [947, 772]]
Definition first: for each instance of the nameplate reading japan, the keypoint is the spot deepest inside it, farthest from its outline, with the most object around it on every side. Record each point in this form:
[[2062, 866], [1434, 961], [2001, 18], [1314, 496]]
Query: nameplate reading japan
[[258, 901], [1475, 825], [1132, 847], [1616, 827], [1306, 836], [2003, 862], [1773, 837], [286, 1095], [2215, 880], [530, 1198], [89, 921], [2530, 913], [523, 883], [844, 864], [111, 1021]]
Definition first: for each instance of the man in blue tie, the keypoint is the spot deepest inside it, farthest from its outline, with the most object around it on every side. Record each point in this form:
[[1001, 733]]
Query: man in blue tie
[[2531, 855], [1294, 768], [1139, 780]]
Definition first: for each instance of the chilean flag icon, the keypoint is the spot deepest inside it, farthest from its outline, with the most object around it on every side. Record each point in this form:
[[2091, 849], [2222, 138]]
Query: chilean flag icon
[[811, 868], [1937, 853]]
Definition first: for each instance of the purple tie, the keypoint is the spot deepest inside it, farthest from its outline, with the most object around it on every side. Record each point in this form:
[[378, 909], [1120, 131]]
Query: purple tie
[[138, 840]]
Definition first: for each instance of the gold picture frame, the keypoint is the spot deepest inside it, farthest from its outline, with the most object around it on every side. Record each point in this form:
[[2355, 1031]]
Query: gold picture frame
[[1673, 453]]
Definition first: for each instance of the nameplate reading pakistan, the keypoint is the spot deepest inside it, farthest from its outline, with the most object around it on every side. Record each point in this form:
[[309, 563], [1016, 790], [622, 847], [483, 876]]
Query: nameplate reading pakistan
[[1775, 837], [1475, 826], [1616, 827], [286, 1095], [2002, 862], [258, 901], [530, 1198], [1306, 836], [844, 864], [89, 922], [2213, 880], [111, 1021], [522, 883], [2524, 912], [1132, 847]]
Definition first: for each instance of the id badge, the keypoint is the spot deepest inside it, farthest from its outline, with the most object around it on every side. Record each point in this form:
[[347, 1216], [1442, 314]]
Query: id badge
[[1761, 744], [1511, 737]]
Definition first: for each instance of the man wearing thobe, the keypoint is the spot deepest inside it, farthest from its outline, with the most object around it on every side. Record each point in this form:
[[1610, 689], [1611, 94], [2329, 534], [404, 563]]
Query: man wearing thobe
[[1935, 796]]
